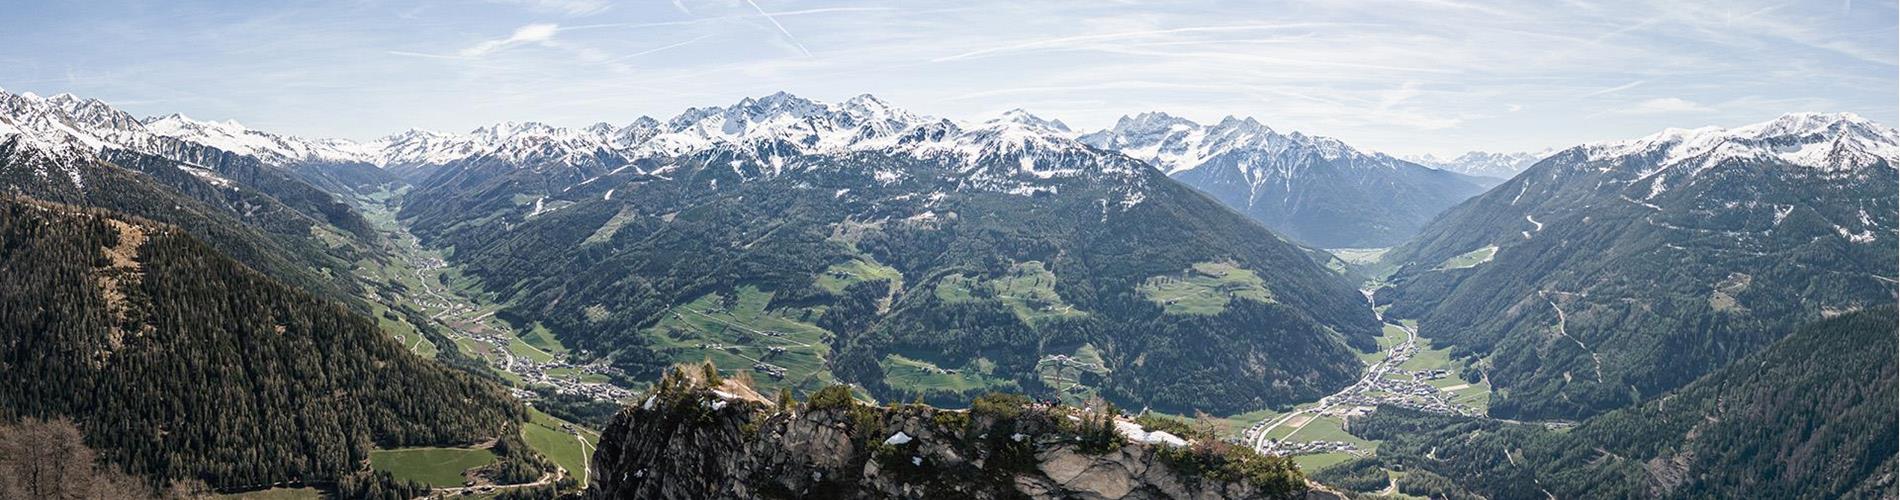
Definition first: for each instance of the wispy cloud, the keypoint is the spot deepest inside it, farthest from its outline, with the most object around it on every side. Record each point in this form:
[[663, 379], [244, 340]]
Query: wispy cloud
[[1612, 90], [1663, 105], [663, 48], [532, 33], [1058, 42], [568, 7]]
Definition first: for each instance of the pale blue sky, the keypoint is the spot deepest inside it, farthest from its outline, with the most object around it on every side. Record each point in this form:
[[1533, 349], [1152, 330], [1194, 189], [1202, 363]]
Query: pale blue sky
[[1438, 76]]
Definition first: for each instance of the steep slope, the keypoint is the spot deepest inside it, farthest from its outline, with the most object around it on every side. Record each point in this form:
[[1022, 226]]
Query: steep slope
[[1613, 271], [337, 166], [698, 443], [1316, 190], [914, 256], [84, 152], [1499, 166], [182, 364], [1810, 416], [70, 128]]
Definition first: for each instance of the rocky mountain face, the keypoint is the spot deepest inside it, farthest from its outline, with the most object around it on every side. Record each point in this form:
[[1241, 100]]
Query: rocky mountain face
[[1613, 271], [714, 444], [1317, 190], [1497, 166]]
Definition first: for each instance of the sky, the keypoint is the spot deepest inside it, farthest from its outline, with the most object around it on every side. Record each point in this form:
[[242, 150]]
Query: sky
[[1402, 77]]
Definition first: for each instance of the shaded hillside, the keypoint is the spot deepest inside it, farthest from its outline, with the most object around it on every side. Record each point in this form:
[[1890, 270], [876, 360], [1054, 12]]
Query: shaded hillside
[[1811, 416], [182, 364], [1612, 272]]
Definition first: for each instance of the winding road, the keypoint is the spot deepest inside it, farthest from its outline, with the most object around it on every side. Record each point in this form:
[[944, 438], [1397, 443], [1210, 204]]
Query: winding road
[[1259, 440]]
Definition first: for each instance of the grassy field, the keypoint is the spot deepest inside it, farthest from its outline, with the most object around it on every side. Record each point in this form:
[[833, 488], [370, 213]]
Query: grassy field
[[439, 467], [1317, 461], [540, 337], [1328, 428], [276, 494], [544, 434], [1477, 395], [1361, 256], [1029, 289], [1428, 358], [736, 337], [1066, 374], [606, 231], [1470, 259], [839, 276], [1392, 335], [522, 349], [1205, 289], [912, 374]]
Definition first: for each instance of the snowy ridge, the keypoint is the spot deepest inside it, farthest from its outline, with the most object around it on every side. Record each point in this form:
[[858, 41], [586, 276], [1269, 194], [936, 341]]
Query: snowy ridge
[[1482, 163], [58, 132], [1177, 145], [1017, 152], [1828, 142], [234, 137]]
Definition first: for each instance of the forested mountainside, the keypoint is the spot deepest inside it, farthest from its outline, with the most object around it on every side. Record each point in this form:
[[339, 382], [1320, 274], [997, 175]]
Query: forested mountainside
[[1810, 416], [695, 439], [85, 152], [181, 364], [1609, 273], [1316, 190], [911, 256]]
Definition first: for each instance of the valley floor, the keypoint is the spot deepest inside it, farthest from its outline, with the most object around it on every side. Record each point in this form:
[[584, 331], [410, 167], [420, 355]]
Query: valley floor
[[531, 358], [1406, 372]]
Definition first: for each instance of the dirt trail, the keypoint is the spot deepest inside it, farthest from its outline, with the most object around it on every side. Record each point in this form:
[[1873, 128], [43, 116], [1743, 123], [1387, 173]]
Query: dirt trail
[[1561, 320]]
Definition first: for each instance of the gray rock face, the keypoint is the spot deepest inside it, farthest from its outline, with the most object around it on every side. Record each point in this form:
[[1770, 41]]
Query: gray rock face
[[687, 450]]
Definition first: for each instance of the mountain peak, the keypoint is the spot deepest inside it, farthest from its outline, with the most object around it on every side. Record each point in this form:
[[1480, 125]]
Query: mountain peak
[[1023, 117]]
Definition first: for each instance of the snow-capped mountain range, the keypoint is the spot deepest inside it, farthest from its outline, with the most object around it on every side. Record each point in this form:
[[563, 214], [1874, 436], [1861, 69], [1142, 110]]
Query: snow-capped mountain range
[[776, 128], [1316, 189], [1829, 142], [1482, 163], [773, 131], [1177, 145]]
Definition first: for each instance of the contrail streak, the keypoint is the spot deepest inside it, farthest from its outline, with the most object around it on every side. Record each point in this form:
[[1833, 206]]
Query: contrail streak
[[781, 27]]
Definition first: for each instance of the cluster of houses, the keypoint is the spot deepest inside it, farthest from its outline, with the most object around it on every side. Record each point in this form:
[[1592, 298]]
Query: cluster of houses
[[1414, 393], [1309, 447], [775, 371]]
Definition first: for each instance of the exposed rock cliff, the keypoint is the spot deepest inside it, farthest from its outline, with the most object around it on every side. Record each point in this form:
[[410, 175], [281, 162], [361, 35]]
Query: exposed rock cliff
[[698, 443]]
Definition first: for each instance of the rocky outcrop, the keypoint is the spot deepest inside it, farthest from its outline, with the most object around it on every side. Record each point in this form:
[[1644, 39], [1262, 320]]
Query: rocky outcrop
[[701, 445]]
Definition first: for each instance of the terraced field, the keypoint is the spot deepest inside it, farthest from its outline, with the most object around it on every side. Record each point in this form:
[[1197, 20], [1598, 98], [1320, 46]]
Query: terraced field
[[910, 374], [839, 276], [1470, 259], [1205, 289], [1029, 289]]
